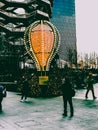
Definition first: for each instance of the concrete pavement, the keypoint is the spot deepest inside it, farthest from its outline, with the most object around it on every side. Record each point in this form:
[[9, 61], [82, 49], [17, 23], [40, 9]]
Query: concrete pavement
[[46, 113]]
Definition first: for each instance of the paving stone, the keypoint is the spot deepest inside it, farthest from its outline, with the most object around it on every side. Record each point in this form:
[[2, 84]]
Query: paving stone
[[46, 113]]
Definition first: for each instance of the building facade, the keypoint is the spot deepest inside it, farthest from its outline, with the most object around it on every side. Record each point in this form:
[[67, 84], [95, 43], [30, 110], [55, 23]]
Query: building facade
[[63, 17], [60, 12]]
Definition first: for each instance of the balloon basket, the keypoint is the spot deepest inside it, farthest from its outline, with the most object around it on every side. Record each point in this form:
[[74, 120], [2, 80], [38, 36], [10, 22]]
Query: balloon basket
[[43, 80]]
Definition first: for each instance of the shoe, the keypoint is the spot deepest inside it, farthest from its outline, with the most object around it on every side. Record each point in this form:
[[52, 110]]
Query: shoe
[[21, 100], [25, 100], [64, 114], [86, 97], [94, 98], [71, 115]]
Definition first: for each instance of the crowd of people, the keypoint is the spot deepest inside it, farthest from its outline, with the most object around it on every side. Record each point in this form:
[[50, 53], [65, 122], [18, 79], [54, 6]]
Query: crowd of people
[[53, 88], [61, 82]]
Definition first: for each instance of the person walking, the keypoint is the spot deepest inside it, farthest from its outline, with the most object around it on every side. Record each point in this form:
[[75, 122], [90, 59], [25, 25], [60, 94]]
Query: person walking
[[90, 87], [25, 89], [67, 95]]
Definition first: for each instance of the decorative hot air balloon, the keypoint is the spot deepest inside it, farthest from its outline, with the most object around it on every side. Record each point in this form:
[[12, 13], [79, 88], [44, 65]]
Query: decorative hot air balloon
[[42, 41]]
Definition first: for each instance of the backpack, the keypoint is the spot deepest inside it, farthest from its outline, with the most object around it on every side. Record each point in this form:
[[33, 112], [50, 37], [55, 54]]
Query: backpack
[[73, 92], [1, 89]]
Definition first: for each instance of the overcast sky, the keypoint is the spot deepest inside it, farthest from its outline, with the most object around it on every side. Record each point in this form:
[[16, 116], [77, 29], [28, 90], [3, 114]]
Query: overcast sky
[[87, 25]]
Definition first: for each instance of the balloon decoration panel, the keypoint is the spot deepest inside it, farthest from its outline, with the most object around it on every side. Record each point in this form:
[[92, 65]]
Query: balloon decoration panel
[[42, 41]]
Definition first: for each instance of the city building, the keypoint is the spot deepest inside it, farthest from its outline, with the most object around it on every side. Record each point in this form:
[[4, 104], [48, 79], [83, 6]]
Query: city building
[[63, 17], [16, 15]]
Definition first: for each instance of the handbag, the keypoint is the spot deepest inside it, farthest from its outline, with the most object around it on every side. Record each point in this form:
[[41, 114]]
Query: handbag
[[4, 93], [73, 92]]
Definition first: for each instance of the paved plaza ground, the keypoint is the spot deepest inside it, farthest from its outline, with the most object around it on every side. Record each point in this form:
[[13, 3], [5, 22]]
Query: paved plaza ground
[[46, 113]]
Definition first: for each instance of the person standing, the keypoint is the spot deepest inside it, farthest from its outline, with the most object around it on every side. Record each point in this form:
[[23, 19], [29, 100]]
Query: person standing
[[67, 96], [25, 89], [1, 97], [90, 82]]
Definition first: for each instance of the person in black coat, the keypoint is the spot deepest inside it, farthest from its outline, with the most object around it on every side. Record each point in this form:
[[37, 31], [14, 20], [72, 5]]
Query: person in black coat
[[25, 89], [1, 97], [67, 95], [90, 86]]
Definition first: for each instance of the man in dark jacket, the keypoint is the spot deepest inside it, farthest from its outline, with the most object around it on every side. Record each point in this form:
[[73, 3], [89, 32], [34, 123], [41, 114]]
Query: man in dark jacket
[[90, 87], [25, 89], [67, 96]]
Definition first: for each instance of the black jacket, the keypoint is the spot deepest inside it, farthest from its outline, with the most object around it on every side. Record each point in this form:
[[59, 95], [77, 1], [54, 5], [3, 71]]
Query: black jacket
[[67, 88]]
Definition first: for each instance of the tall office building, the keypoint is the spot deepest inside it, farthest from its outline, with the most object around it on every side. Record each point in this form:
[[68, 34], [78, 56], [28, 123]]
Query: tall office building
[[63, 17]]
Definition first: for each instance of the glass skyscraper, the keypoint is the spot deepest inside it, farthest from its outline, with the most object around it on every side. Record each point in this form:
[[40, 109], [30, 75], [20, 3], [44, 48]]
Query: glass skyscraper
[[63, 17]]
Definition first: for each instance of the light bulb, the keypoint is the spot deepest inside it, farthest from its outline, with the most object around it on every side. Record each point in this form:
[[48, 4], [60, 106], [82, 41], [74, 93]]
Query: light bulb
[[42, 41]]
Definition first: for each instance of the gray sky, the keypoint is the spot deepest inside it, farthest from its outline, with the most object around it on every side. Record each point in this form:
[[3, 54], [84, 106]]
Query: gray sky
[[87, 25]]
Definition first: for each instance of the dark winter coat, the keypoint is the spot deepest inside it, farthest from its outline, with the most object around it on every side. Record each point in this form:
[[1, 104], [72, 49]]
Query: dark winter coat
[[67, 89]]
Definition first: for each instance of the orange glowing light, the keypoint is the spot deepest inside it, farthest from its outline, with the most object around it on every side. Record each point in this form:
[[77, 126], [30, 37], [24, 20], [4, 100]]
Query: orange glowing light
[[42, 42], [42, 39]]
